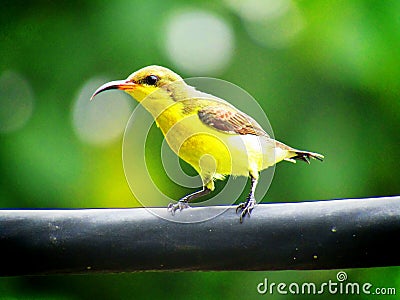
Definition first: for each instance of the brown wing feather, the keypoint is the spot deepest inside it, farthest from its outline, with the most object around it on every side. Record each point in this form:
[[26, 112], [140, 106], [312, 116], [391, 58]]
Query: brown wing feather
[[229, 120]]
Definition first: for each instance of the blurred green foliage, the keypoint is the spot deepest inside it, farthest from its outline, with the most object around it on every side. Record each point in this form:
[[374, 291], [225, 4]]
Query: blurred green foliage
[[331, 86]]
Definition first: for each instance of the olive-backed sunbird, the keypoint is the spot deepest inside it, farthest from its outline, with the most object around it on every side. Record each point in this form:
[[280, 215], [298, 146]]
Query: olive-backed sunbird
[[209, 133]]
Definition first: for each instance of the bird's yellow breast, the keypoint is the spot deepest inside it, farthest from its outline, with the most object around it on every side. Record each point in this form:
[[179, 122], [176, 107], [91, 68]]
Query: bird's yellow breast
[[211, 152]]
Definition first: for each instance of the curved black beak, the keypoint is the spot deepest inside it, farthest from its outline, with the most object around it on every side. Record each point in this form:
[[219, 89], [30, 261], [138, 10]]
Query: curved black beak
[[112, 85]]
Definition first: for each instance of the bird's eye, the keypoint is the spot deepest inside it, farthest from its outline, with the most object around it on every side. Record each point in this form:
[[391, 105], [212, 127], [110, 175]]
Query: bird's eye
[[151, 80]]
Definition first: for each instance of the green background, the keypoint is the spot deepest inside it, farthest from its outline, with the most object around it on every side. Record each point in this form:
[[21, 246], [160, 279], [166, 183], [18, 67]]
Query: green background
[[326, 74]]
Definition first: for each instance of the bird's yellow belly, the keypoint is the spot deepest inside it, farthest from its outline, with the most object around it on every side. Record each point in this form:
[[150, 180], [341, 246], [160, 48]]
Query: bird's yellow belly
[[211, 152], [214, 154], [207, 154]]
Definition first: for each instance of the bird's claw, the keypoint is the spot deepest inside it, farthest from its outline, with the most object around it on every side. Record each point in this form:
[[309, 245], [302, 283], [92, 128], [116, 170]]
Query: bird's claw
[[246, 208], [241, 206], [173, 207]]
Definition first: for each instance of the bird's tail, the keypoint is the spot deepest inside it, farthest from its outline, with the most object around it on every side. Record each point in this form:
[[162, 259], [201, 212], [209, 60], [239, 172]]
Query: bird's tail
[[304, 156]]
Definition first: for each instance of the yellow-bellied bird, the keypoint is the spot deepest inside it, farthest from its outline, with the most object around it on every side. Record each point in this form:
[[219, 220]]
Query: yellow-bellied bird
[[209, 133]]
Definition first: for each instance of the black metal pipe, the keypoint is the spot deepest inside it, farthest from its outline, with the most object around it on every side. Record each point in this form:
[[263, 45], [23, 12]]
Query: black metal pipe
[[308, 235]]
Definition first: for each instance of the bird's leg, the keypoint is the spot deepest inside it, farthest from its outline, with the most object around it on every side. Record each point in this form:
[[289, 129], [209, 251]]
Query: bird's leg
[[184, 202], [248, 206]]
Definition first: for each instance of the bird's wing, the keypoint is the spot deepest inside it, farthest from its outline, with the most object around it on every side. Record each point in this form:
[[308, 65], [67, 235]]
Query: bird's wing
[[229, 120]]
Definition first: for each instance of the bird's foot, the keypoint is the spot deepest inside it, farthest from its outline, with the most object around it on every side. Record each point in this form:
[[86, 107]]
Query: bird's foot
[[181, 204], [245, 208]]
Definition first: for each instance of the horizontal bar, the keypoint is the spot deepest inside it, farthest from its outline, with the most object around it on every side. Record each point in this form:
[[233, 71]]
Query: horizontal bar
[[282, 236]]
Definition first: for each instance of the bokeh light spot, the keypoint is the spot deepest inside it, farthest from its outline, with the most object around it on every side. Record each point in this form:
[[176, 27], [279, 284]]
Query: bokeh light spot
[[103, 120], [16, 101], [198, 42], [257, 10], [271, 23]]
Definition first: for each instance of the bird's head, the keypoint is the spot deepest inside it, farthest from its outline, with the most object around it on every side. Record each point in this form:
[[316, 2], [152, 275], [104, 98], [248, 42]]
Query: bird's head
[[143, 82]]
